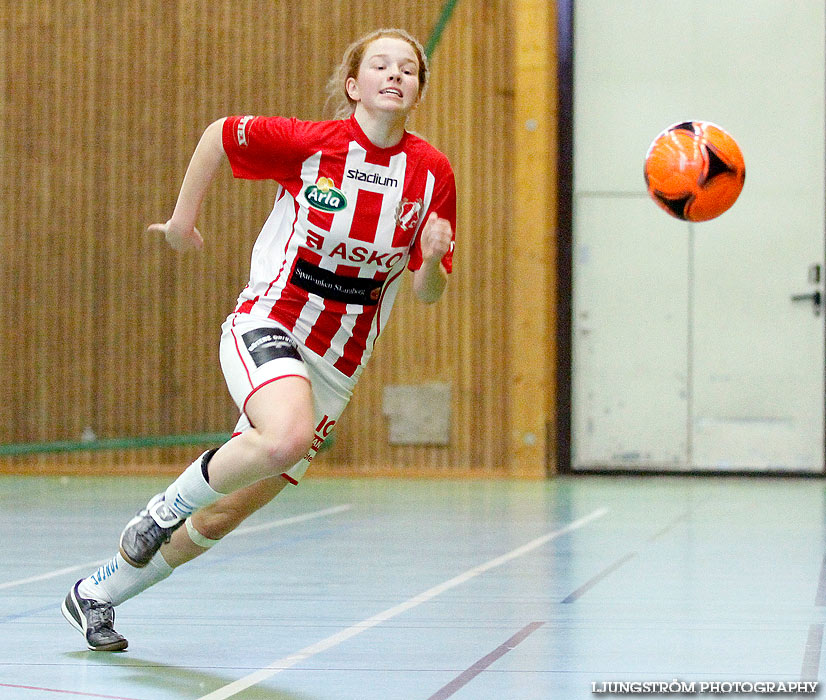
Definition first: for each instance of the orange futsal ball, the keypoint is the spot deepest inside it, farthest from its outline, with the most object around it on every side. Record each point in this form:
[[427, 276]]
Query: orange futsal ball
[[694, 170]]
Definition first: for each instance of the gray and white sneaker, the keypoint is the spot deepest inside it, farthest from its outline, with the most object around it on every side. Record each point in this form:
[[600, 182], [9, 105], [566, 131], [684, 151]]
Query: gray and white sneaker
[[147, 531], [94, 620]]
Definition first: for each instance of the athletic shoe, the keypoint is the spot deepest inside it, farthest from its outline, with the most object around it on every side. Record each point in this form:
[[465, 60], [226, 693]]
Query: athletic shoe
[[94, 620], [147, 531]]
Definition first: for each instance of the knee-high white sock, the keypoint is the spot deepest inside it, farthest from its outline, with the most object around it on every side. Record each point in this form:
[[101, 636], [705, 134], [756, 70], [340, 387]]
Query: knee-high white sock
[[190, 491], [117, 580]]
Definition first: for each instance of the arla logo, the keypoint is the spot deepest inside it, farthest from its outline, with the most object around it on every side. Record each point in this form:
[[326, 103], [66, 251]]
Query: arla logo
[[324, 195]]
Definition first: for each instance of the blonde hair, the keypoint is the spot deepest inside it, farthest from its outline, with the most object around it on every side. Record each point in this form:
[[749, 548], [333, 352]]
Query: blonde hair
[[338, 101]]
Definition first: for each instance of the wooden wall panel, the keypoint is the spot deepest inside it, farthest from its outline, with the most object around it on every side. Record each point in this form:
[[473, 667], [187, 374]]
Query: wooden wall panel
[[102, 105], [532, 362]]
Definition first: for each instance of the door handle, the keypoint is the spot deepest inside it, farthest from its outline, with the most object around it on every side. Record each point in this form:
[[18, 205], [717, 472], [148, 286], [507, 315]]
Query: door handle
[[815, 297]]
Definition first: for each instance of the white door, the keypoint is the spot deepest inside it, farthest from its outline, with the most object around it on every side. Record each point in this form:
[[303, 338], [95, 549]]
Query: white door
[[688, 351]]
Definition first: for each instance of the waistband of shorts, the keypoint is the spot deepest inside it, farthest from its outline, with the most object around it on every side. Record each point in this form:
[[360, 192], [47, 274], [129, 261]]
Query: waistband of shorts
[[340, 381]]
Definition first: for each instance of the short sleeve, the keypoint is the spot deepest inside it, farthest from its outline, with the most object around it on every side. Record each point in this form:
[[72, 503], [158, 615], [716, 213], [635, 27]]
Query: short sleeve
[[260, 148], [443, 203]]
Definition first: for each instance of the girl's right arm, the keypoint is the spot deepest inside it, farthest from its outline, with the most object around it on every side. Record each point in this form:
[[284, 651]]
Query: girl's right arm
[[180, 231]]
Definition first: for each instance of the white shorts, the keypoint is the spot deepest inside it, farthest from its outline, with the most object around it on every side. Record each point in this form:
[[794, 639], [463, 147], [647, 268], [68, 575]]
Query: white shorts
[[256, 351]]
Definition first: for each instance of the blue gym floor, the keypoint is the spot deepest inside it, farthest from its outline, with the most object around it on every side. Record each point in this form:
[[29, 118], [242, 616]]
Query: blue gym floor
[[427, 590]]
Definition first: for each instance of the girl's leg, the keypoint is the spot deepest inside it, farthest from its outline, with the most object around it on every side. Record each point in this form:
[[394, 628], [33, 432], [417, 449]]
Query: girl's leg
[[117, 581], [89, 605], [282, 417], [214, 522]]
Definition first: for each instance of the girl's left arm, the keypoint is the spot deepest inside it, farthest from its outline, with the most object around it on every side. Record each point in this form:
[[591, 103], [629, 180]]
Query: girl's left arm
[[430, 280]]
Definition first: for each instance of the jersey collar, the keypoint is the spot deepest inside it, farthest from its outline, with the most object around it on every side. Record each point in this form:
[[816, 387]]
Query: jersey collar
[[368, 145]]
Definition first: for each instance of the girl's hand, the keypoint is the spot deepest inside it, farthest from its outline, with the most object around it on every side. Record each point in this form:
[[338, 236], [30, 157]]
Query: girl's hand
[[436, 238], [180, 239]]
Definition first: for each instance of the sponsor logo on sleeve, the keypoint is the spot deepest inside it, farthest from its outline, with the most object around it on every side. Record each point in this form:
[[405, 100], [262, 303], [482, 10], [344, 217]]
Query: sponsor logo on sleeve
[[241, 131]]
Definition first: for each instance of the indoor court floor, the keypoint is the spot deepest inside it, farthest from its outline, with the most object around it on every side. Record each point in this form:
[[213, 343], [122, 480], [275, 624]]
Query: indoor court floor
[[373, 589]]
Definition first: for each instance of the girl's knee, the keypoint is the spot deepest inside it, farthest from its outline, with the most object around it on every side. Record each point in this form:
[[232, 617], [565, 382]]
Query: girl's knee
[[283, 450], [282, 415]]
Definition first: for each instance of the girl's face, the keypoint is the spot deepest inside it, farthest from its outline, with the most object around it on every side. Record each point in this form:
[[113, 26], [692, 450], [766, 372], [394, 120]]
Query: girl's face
[[388, 77]]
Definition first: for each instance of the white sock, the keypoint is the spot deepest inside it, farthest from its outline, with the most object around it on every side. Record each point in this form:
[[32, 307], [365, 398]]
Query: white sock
[[190, 491], [117, 580]]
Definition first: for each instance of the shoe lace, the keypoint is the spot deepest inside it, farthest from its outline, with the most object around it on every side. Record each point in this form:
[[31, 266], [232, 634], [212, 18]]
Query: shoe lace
[[151, 532], [101, 615]]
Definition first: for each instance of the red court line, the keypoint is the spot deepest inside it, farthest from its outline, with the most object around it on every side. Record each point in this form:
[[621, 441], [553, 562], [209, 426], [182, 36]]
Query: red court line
[[814, 642], [466, 676], [66, 692], [820, 596], [590, 583], [811, 655]]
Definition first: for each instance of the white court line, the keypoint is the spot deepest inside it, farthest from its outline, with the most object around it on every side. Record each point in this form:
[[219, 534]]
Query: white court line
[[289, 661], [240, 531], [290, 521], [53, 574]]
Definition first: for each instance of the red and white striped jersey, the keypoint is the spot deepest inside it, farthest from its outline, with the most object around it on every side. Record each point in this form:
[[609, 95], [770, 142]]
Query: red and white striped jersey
[[327, 264]]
